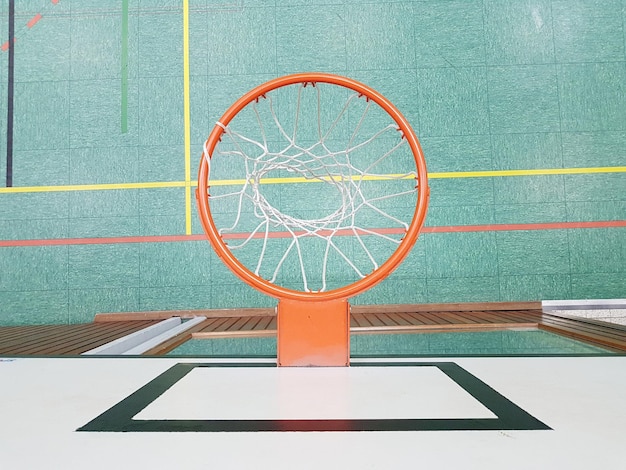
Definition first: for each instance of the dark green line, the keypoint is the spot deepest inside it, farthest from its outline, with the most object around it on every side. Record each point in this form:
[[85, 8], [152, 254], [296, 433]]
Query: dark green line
[[124, 66], [10, 84]]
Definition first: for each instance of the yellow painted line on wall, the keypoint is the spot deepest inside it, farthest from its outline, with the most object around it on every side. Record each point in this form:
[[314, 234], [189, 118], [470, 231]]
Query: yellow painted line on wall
[[187, 184], [187, 112], [539, 172], [92, 187]]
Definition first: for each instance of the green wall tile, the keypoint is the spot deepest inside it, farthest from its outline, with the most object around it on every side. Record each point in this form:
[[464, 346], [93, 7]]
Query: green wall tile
[[102, 226], [104, 165], [394, 290], [104, 266], [533, 252], [95, 46], [452, 255], [175, 264], [42, 53], [531, 212], [41, 167], [370, 23], [523, 98], [529, 189], [594, 187], [460, 215], [176, 298], [527, 151], [34, 206], [109, 203], [592, 97], [162, 202], [161, 109], [588, 30], [238, 295], [598, 286], [310, 39], [457, 192], [463, 289], [47, 307], [457, 153], [33, 229], [535, 287], [598, 251], [160, 55], [200, 128], [251, 44], [41, 115], [453, 101], [164, 163], [604, 210], [198, 37], [154, 225], [590, 149], [33, 268], [518, 32], [96, 113], [449, 34], [84, 304]]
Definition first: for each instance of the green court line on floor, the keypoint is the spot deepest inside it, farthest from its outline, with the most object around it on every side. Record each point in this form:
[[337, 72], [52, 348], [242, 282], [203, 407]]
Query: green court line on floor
[[198, 237], [188, 184], [187, 119]]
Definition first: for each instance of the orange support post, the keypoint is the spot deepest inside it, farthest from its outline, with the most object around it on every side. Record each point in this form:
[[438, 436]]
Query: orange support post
[[313, 333]]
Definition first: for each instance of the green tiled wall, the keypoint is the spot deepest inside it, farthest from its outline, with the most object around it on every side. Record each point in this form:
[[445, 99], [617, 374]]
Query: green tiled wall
[[486, 84]]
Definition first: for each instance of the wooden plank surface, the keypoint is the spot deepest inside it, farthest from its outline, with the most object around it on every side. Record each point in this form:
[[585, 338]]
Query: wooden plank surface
[[75, 339], [63, 339]]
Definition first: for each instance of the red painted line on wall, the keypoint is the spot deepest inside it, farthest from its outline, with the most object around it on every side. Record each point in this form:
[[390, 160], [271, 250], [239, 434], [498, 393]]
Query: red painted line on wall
[[33, 21], [187, 238]]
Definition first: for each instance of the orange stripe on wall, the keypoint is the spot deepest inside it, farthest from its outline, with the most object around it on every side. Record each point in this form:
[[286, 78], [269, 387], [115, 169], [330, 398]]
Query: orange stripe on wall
[[33, 21]]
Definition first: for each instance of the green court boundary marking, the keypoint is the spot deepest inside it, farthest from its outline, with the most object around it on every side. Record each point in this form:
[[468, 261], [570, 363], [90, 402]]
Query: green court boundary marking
[[238, 182]]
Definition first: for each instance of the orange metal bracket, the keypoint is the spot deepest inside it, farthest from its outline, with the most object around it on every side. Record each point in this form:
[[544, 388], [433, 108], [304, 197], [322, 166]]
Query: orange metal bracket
[[313, 333]]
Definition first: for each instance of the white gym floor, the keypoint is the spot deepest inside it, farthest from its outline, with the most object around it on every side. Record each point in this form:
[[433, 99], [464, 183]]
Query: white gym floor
[[487, 413]]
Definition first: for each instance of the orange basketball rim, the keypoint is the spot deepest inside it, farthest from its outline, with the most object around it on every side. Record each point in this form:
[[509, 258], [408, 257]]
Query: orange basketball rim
[[313, 326]]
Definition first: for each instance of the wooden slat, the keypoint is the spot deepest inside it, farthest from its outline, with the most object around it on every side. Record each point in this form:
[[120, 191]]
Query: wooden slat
[[442, 327], [264, 323], [234, 334], [609, 336], [67, 339], [64, 341], [165, 314], [575, 333], [452, 307]]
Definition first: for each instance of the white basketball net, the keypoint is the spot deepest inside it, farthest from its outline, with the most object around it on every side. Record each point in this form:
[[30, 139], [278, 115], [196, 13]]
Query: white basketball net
[[276, 150]]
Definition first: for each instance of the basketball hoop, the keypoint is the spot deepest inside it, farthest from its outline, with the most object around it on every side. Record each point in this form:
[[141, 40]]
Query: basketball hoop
[[312, 189]]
